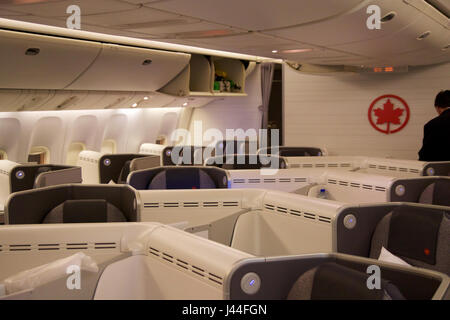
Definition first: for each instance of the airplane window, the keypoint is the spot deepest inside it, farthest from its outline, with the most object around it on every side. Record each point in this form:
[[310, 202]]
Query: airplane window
[[74, 150], [39, 155], [109, 146], [3, 155]]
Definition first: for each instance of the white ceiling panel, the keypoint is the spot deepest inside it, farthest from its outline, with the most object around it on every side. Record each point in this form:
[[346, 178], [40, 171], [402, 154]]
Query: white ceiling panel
[[401, 42], [258, 15], [58, 8], [177, 29], [352, 27], [120, 20], [6, 13]]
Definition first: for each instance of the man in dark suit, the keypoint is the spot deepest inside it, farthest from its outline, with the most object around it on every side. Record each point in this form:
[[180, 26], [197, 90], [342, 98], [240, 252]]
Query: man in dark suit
[[436, 137]]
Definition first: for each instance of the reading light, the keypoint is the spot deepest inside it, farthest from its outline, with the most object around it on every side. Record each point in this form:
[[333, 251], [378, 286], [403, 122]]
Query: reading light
[[20, 174], [424, 35], [274, 51], [185, 104], [134, 105], [145, 98]]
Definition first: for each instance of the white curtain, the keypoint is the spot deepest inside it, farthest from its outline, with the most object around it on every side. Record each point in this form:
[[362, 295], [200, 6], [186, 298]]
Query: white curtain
[[267, 70]]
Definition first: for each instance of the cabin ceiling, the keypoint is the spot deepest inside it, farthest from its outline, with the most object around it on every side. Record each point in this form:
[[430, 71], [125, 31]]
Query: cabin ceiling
[[330, 32]]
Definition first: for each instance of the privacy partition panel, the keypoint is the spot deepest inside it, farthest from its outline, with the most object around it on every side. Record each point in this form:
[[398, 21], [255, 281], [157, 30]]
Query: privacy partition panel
[[32, 207]]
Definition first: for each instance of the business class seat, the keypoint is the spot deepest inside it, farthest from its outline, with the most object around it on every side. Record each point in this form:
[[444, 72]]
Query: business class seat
[[173, 177], [112, 168], [245, 162], [72, 204], [331, 281], [419, 237], [333, 276], [293, 151], [437, 193]]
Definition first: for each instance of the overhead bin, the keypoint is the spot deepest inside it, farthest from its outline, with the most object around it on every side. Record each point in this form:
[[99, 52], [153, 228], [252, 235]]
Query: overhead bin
[[43, 62], [126, 68], [209, 76]]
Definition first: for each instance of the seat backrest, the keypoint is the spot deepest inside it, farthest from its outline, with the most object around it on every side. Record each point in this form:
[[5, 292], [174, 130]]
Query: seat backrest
[[84, 211], [331, 281], [299, 152], [419, 237], [182, 178], [124, 172], [437, 193]]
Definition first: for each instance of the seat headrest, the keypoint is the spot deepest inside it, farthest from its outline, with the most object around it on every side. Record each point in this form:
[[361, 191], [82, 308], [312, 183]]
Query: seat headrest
[[85, 211], [42, 170], [331, 281], [416, 235], [182, 178], [437, 193]]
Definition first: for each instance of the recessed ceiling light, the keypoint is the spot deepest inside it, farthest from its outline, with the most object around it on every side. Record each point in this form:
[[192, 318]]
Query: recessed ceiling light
[[185, 104], [424, 35], [274, 51], [146, 98], [388, 17], [134, 105], [297, 50]]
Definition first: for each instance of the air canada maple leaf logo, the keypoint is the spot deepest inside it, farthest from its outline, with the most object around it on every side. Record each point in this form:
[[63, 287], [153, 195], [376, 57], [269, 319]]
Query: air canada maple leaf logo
[[391, 113]]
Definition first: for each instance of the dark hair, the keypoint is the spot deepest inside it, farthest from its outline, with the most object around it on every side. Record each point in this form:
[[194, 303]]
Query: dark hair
[[442, 99]]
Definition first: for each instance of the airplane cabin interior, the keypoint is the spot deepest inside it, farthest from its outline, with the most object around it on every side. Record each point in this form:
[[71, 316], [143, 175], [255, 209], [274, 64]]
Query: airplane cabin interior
[[224, 150]]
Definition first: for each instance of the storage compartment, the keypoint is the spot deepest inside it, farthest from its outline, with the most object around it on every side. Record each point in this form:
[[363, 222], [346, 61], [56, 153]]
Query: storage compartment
[[124, 68], [42, 62], [228, 76], [200, 75]]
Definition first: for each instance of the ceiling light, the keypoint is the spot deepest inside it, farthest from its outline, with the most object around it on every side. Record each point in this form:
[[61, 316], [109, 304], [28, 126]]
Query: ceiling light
[[424, 35], [388, 17], [146, 98], [274, 51], [297, 50], [134, 105], [185, 104]]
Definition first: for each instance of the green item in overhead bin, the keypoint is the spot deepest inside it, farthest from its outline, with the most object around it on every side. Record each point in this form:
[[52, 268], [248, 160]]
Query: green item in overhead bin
[[216, 85]]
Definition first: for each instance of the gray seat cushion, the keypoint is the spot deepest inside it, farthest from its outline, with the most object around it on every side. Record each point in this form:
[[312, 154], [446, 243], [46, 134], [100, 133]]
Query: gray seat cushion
[[84, 211], [336, 282], [437, 193], [186, 178]]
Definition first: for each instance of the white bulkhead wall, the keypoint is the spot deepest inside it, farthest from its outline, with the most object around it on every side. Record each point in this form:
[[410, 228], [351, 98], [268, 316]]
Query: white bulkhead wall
[[332, 110]]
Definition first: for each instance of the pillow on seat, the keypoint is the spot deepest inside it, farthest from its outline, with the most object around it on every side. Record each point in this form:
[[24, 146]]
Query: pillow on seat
[[84, 211], [331, 281]]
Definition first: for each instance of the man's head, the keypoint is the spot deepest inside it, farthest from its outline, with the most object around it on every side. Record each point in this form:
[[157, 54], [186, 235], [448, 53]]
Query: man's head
[[442, 101]]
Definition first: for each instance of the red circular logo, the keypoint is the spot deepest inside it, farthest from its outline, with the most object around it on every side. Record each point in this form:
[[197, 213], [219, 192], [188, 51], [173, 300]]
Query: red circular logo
[[389, 114]]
